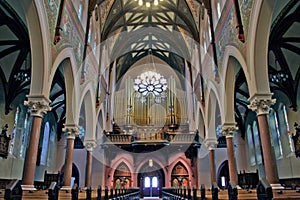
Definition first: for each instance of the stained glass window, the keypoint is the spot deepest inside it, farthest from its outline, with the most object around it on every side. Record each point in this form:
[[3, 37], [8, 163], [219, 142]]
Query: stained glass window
[[257, 143], [13, 133], [273, 125], [251, 148], [45, 144], [286, 122], [80, 9], [27, 128]]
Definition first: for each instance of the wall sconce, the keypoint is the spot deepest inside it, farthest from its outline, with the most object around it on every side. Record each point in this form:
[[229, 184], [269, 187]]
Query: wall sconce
[[150, 163]]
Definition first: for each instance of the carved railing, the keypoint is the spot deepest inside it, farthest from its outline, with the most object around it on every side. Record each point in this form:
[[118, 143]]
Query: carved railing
[[118, 139], [163, 138]]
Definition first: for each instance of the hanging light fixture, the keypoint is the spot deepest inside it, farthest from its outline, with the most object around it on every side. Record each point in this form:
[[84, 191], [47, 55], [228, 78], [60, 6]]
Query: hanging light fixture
[[148, 3]]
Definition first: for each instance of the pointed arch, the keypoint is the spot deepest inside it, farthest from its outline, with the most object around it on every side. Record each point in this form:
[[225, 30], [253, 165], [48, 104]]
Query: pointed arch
[[259, 32], [40, 50], [232, 56], [212, 106], [121, 158], [185, 164], [66, 58], [88, 100]]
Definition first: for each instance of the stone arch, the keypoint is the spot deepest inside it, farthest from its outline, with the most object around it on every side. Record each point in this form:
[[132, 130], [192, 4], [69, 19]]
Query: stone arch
[[186, 165], [122, 176], [121, 158], [87, 99], [66, 58], [232, 56], [201, 123], [155, 160], [40, 50], [100, 124], [258, 37], [212, 99]]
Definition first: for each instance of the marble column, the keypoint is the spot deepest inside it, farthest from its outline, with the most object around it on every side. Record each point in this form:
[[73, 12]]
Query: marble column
[[38, 107], [90, 145], [228, 131], [211, 145], [71, 131], [260, 104], [212, 165]]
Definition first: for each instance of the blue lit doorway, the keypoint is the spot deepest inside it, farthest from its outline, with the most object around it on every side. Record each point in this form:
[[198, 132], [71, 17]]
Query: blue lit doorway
[[151, 181]]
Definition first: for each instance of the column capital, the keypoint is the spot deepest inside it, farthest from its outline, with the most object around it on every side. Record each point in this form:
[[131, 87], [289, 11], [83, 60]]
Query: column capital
[[90, 145], [71, 131], [38, 104], [228, 129], [211, 143], [260, 103]]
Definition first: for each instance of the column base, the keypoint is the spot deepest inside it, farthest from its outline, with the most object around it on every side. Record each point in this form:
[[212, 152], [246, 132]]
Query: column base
[[277, 186], [66, 188], [28, 188]]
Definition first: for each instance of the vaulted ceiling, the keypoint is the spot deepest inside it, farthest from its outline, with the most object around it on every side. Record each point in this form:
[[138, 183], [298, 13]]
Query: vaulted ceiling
[[163, 28]]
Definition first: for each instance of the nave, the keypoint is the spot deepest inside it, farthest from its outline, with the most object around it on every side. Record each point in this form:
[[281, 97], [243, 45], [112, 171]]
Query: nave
[[262, 192]]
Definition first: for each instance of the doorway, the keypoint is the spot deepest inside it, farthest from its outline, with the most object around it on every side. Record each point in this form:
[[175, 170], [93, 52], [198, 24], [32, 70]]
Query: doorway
[[150, 186], [151, 181]]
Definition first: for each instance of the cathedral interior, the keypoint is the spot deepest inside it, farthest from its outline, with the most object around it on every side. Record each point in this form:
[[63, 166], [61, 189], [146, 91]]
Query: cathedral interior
[[150, 94]]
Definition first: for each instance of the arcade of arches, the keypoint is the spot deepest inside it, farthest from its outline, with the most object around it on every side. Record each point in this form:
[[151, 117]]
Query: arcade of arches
[[118, 94]]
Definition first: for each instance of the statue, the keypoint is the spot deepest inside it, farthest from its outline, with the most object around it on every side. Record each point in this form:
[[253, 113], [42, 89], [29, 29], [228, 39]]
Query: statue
[[296, 139], [4, 142], [4, 129]]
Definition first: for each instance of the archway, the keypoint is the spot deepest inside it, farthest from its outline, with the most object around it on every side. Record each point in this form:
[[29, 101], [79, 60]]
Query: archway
[[179, 176], [223, 175], [151, 179], [122, 177]]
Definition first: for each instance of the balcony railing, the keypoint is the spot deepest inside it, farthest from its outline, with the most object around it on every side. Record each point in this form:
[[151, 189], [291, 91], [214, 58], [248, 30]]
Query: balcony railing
[[162, 138]]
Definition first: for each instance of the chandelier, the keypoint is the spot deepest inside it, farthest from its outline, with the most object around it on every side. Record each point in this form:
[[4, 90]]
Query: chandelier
[[148, 2], [150, 82]]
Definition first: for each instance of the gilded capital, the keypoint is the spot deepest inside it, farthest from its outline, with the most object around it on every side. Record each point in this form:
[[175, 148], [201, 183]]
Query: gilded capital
[[71, 131], [90, 145], [228, 130], [261, 106], [39, 105], [211, 143]]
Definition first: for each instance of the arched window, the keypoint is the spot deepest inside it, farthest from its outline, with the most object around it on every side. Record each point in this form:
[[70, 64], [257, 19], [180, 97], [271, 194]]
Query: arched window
[[80, 10], [147, 182], [219, 9], [27, 127], [251, 148], [257, 143], [286, 124], [154, 182], [13, 133], [45, 144], [274, 130]]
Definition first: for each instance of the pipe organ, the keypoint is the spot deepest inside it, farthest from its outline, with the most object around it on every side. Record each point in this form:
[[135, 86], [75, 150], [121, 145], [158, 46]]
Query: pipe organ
[[132, 108]]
